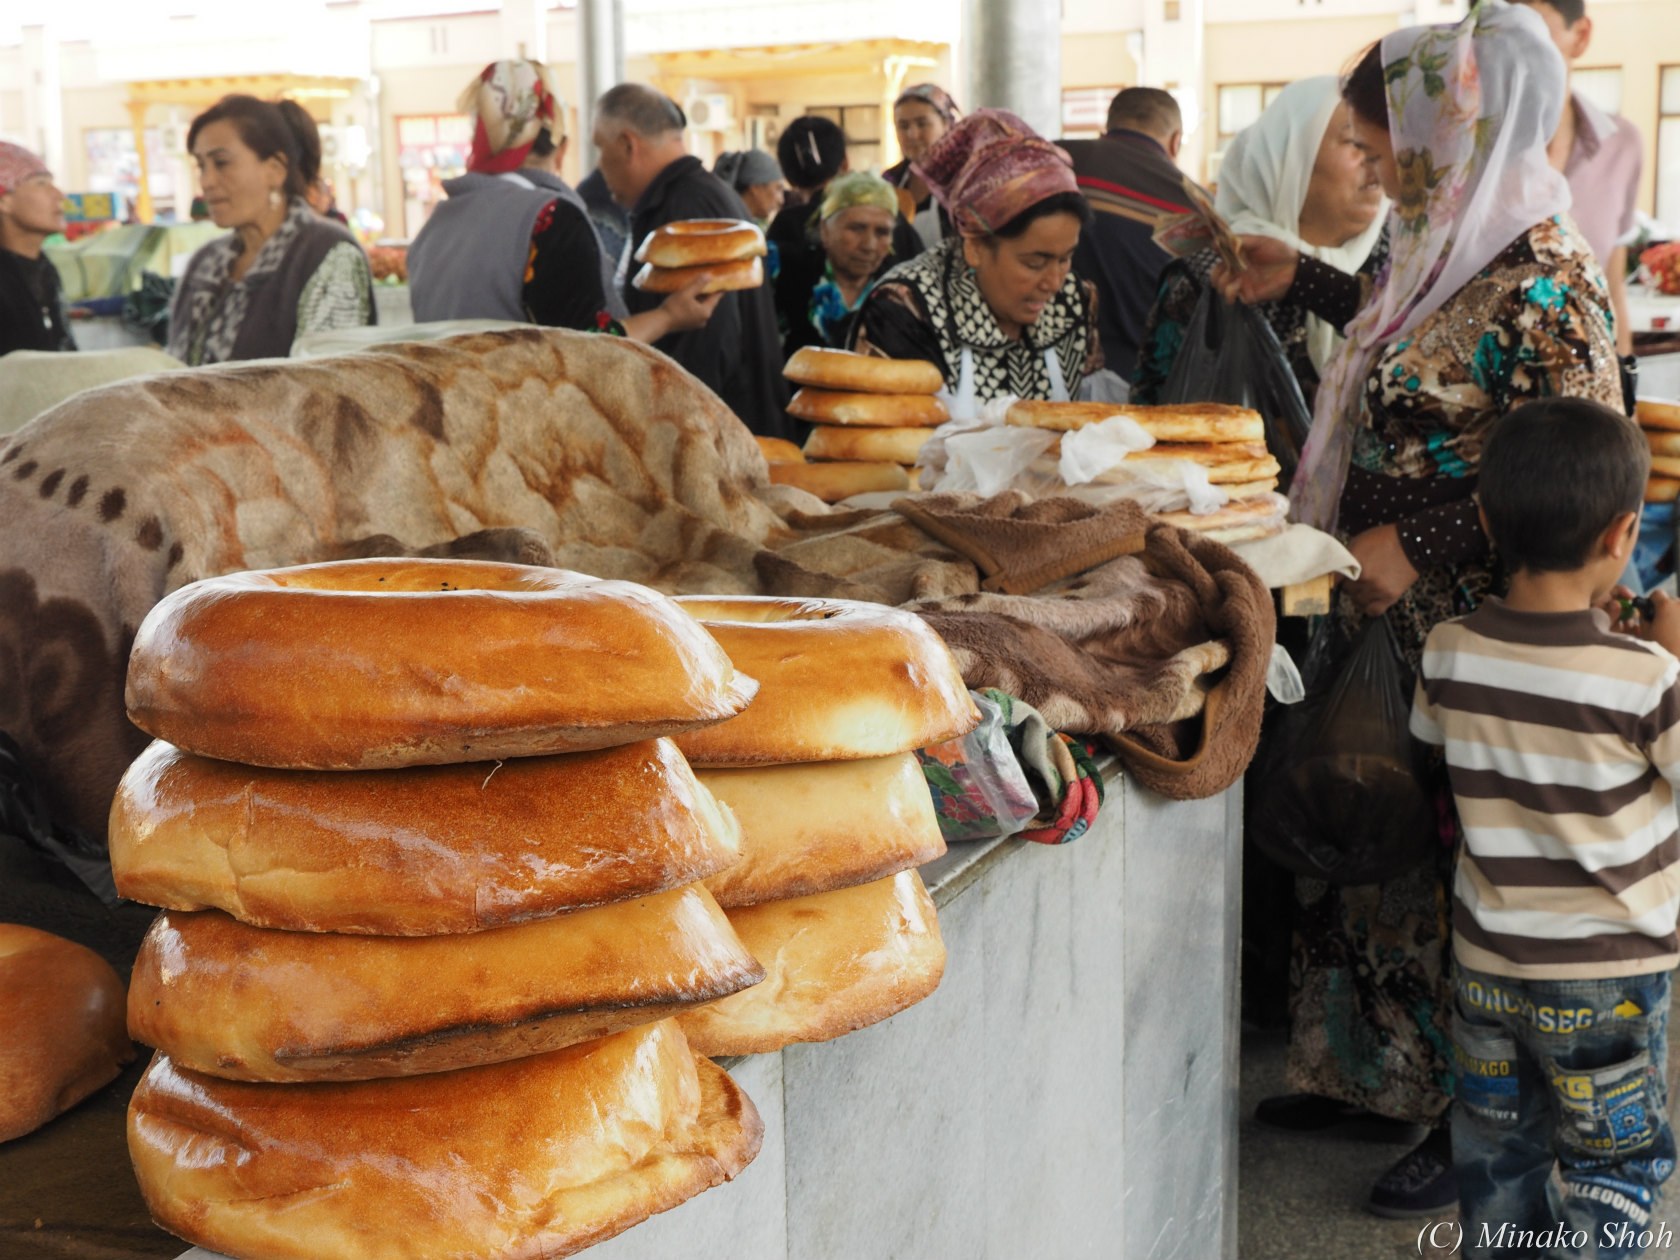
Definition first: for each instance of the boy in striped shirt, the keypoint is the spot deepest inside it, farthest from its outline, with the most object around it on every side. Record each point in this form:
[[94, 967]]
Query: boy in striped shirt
[[1562, 740]]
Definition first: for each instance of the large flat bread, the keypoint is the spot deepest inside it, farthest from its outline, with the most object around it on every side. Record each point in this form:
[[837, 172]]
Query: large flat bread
[[813, 828], [536, 1158], [898, 446], [418, 852], [826, 406], [841, 680], [836, 962], [1240, 472], [254, 1004], [61, 1027], [1235, 522], [1176, 422]]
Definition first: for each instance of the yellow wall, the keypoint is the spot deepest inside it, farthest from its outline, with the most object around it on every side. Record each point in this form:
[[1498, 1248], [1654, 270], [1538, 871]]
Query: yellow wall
[[1097, 60], [1640, 37]]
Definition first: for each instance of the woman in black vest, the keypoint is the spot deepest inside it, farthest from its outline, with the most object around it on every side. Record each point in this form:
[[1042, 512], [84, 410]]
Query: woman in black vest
[[283, 271]]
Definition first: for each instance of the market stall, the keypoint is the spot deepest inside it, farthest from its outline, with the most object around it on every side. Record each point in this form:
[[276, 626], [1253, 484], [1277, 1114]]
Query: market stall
[[1073, 1076]]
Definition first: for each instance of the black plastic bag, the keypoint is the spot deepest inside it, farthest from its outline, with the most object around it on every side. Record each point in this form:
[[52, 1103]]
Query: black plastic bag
[[1345, 797], [1231, 355]]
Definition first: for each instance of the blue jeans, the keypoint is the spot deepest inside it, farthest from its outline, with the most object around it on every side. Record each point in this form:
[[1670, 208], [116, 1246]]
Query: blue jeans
[[1564, 1075]]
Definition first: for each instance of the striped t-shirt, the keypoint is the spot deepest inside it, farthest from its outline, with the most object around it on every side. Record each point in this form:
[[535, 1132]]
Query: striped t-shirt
[[1562, 739]]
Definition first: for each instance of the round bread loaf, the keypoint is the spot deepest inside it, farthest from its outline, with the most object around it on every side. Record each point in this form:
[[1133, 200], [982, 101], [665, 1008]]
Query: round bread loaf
[[796, 841], [253, 1004], [691, 242], [898, 446], [1174, 422], [1658, 413], [1663, 443], [865, 373], [835, 962], [868, 411], [62, 1030], [372, 664], [1662, 490], [1665, 465], [420, 852], [779, 450], [537, 1157], [720, 277], [842, 680], [832, 482]]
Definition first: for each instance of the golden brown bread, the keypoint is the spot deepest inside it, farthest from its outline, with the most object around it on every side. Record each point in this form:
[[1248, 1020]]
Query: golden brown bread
[[690, 242], [419, 852], [834, 963], [1174, 422], [253, 1004], [882, 411], [1250, 489], [371, 664], [812, 828], [720, 277], [1243, 521], [863, 373], [535, 1158], [898, 446], [779, 450], [1665, 465], [1657, 413], [1663, 443], [1662, 490], [832, 482], [841, 680], [61, 1027]]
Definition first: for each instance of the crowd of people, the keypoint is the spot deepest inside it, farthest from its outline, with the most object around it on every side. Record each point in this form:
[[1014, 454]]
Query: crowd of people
[[1432, 235]]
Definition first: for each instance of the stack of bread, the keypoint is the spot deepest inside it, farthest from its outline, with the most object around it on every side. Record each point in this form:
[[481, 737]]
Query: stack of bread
[[430, 867], [1661, 422], [726, 253], [1230, 442], [870, 420], [835, 815]]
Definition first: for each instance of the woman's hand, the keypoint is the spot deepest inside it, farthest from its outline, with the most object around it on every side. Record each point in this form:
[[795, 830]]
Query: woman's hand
[[1384, 572], [688, 308], [1270, 271]]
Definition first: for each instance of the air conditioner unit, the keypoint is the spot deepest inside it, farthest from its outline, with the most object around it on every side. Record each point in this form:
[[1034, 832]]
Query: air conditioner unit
[[330, 146], [713, 112], [172, 137]]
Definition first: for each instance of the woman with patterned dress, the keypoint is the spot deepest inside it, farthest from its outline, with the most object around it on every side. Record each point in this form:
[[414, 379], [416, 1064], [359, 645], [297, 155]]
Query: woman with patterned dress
[[1491, 297], [999, 301], [1297, 176], [282, 271]]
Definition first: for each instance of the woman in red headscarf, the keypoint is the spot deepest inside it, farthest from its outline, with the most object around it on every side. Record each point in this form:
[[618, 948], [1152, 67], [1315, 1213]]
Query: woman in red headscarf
[[513, 240], [996, 307]]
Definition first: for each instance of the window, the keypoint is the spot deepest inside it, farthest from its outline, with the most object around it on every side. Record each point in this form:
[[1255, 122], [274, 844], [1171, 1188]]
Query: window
[[1603, 87], [430, 149], [1241, 104], [1085, 111], [862, 125], [113, 165], [1668, 149]]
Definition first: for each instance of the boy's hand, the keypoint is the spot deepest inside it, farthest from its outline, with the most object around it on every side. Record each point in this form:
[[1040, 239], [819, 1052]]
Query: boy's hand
[[1617, 606], [1665, 622]]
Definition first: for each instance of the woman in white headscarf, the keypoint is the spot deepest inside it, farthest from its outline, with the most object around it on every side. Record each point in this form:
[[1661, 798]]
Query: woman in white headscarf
[[1297, 176], [1491, 298]]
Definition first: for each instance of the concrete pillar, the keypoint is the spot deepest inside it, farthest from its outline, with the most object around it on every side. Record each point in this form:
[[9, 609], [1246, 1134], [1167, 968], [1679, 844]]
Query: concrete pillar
[[524, 29], [1014, 59], [143, 209], [600, 65], [43, 97]]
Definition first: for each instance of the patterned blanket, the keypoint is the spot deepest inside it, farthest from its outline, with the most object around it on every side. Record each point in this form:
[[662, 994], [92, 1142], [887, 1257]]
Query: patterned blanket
[[588, 452]]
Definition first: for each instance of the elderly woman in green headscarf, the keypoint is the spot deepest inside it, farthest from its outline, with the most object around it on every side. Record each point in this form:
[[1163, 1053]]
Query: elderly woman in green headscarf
[[818, 301]]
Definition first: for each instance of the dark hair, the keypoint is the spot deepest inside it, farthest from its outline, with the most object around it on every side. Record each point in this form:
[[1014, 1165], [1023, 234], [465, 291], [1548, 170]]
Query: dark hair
[[1554, 473], [1571, 11], [811, 151], [1364, 88], [265, 130], [544, 144], [1153, 110], [1061, 203], [643, 110], [308, 137]]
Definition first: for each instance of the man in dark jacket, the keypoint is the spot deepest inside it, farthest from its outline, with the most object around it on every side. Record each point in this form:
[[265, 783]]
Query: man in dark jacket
[[31, 300], [737, 354], [1131, 179]]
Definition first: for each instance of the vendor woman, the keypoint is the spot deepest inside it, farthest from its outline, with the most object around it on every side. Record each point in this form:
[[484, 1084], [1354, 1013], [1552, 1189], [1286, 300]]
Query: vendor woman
[[998, 303]]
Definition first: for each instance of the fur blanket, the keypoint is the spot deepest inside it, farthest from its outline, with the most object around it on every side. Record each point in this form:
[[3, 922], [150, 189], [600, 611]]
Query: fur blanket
[[589, 452]]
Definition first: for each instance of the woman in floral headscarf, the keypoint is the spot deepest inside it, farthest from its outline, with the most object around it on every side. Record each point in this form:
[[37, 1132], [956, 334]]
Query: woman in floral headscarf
[[1491, 298], [818, 297], [996, 307], [922, 114]]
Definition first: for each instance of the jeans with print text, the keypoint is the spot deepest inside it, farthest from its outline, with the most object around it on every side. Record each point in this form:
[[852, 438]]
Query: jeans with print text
[[1560, 1125]]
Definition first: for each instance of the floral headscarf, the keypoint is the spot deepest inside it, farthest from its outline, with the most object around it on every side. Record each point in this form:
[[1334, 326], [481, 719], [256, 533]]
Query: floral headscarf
[[512, 101], [1470, 109], [860, 188], [934, 95], [990, 168], [18, 165]]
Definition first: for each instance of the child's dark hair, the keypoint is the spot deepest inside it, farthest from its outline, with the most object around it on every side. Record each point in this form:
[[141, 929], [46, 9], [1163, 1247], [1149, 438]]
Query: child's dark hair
[[1554, 474]]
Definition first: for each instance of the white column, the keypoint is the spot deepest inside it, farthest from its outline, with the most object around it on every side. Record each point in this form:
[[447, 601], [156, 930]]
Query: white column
[[1013, 59], [1173, 59], [43, 97], [600, 65], [524, 29]]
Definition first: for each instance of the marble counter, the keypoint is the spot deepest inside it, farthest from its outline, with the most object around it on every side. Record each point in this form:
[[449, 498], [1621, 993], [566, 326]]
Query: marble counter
[[1069, 1090]]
